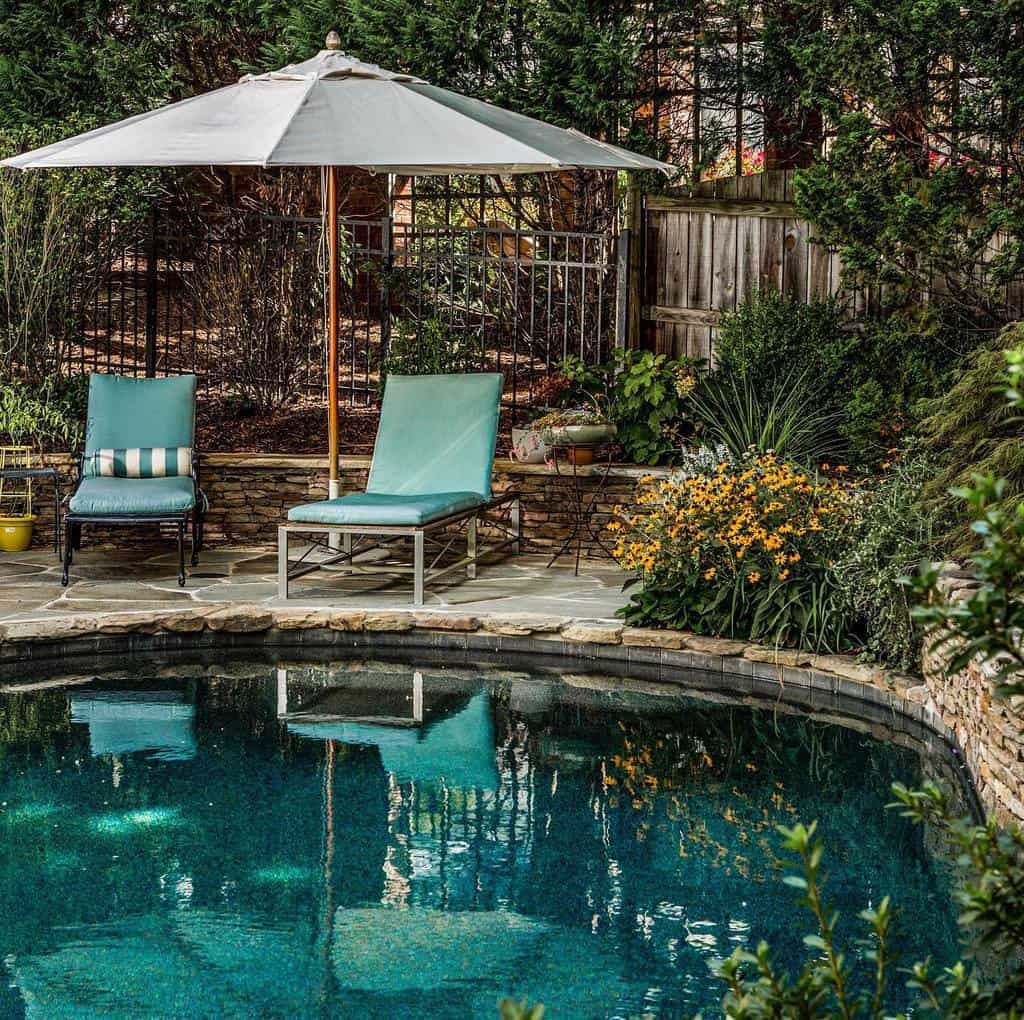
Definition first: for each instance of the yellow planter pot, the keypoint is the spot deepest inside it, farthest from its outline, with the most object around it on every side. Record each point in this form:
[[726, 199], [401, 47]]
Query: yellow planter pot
[[16, 533]]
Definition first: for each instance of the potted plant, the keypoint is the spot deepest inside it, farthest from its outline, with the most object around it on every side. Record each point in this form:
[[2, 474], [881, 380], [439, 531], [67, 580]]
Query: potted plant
[[16, 517], [579, 429]]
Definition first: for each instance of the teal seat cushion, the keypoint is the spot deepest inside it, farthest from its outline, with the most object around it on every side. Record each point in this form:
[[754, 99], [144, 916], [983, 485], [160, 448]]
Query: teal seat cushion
[[437, 434], [134, 413], [134, 496], [371, 508]]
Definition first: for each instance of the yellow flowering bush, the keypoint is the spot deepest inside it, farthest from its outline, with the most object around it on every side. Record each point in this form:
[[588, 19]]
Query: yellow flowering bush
[[743, 549]]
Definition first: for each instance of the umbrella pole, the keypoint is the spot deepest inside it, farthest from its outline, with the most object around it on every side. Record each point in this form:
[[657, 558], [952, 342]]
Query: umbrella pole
[[332, 332]]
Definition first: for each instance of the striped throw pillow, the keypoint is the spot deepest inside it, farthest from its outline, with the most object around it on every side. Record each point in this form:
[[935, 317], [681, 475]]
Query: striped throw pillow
[[143, 462]]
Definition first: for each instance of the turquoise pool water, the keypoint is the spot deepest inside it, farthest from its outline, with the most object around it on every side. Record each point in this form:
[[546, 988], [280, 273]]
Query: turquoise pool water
[[385, 841]]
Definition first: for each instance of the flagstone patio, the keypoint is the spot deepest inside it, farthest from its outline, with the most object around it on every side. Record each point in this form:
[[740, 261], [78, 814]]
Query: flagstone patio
[[106, 581]]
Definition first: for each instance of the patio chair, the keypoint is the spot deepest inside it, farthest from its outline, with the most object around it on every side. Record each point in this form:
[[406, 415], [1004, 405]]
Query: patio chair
[[429, 483], [139, 465]]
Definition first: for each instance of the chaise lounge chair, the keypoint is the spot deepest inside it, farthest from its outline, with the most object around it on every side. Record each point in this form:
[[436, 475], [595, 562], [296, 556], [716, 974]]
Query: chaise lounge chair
[[430, 481], [139, 466]]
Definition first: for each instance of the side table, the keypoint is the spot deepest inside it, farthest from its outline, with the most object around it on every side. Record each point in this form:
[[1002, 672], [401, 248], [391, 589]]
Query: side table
[[581, 501], [53, 475]]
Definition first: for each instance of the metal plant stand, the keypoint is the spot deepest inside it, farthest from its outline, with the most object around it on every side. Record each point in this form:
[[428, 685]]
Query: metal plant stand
[[581, 501], [53, 475]]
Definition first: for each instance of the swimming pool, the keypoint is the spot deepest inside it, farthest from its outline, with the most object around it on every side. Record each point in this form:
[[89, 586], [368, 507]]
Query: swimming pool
[[399, 840]]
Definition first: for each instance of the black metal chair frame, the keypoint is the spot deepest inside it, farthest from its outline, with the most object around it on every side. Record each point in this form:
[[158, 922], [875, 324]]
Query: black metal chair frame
[[180, 519]]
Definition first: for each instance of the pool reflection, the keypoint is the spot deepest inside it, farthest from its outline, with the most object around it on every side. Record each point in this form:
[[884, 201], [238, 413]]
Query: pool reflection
[[406, 842]]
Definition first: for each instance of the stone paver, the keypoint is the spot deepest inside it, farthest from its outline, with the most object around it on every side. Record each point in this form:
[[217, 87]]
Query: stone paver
[[108, 581]]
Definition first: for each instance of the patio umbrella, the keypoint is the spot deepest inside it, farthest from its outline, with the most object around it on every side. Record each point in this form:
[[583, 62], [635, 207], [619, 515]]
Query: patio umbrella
[[336, 111]]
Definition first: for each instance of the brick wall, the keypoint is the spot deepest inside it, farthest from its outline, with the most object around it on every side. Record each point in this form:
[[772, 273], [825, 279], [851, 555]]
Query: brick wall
[[250, 494]]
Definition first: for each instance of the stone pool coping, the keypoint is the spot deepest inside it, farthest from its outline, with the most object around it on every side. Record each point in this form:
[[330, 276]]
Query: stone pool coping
[[202, 626], [818, 684]]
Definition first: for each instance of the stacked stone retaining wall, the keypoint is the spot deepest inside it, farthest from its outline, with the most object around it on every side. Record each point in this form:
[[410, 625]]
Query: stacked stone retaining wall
[[250, 494]]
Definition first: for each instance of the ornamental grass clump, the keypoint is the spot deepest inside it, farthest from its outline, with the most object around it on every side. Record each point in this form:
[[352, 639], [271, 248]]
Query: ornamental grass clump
[[744, 550]]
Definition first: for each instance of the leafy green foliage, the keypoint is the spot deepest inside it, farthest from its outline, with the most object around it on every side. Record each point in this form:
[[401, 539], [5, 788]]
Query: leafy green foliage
[[921, 173], [49, 415], [434, 350], [567, 61], [890, 535], [868, 375], [650, 404], [831, 984], [646, 395], [771, 335], [988, 623], [782, 418]]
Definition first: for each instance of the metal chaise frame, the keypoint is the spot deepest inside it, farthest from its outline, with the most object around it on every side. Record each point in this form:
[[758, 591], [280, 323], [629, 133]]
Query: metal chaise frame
[[196, 515], [350, 536]]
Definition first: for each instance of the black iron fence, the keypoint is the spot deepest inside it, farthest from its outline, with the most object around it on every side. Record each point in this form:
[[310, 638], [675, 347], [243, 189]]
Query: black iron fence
[[239, 301]]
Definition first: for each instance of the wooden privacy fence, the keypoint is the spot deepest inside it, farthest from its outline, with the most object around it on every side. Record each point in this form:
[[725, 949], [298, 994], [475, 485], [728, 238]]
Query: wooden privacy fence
[[701, 256]]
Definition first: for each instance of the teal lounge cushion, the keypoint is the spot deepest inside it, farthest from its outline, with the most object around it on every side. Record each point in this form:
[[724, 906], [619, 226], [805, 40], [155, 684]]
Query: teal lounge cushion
[[134, 496], [127, 413], [437, 434], [382, 508]]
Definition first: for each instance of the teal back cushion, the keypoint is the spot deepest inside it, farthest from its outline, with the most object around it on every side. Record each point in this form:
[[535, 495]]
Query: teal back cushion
[[437, 434], [127, 413]]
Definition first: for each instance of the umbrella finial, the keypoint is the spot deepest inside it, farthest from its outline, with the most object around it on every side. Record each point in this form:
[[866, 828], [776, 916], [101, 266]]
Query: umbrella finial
[[333, 40]]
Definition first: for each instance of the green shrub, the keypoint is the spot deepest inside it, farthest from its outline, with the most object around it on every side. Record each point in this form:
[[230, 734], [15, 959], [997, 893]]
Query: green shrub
[[49, 415], [971, 429], [781, 416], [650, 404], [868, 374], [770, 337], [434, 350], [889, 537], [646, 395]]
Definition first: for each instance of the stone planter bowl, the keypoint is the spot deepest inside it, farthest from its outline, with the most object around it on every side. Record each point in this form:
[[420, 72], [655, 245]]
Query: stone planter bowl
[[582, 435]]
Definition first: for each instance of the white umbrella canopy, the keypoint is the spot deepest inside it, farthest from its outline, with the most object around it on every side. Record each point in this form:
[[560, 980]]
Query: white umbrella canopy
[[336, 111]]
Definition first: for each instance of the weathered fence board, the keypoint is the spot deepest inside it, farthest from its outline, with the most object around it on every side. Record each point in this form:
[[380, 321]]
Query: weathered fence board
[[708, 252]]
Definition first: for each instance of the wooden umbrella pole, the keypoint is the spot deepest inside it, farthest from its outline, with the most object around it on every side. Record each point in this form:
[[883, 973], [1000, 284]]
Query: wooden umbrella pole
[[332, 331]]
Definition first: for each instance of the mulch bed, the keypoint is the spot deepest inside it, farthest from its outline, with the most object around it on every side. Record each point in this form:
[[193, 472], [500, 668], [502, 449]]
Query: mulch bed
[[223, 427]]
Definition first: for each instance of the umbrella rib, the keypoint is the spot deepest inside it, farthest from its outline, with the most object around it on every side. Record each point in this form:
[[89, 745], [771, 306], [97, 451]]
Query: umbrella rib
[[269, 161], [638, 161], [552, 162]]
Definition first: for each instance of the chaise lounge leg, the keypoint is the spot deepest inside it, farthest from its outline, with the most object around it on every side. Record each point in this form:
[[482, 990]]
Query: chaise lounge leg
[[417, 568], [181, 555], [515, 519], [282, 563], [471, 548], [194, 559], [68, 553]]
